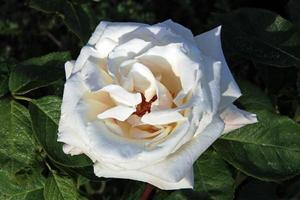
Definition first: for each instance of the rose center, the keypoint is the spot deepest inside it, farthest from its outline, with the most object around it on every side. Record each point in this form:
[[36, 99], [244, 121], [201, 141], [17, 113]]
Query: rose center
[[144, 107]]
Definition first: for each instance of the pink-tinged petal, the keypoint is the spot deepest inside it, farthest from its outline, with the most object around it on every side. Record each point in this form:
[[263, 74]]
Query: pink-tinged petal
[[235, 118], [119, 112], [210, 45]]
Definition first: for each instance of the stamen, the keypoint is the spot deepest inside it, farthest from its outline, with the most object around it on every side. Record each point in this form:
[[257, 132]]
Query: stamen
[[144, 107]]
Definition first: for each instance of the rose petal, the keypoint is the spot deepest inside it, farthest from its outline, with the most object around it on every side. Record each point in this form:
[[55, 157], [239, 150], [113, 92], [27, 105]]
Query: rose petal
[[122, 96], [101, 170], [119, 112], [162, 117], [177, 165], [174, 57], [235, 118], [210, 44], [69, 68], [178, 29], [143, 80], [112, 30]]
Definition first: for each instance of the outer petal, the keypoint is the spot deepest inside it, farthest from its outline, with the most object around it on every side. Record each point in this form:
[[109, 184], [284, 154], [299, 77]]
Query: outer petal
[[176, 165], [235, 118], [186, 182], [176, 168], [112, 30], [178, 29], [210, 45]]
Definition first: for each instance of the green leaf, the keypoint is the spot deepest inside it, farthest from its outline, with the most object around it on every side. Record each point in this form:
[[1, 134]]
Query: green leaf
[[17, 146], [27, 187], [253, 97], [213, 179], [60, 188], [262, 36], [268, 150], [73, 15], [37, 72], [293, 8], [45, 113]]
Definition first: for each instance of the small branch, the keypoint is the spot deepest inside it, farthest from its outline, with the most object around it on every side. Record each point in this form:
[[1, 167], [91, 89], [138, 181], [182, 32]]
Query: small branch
[[22, 98], [147, 192], [58, 43]]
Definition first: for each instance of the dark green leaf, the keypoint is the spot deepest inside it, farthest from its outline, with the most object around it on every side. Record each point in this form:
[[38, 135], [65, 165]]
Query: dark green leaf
[[60, 188], [268, 150], [28, 187], [73, 15], [37, 72], [253, 97], [45, 114], [19, 177], [17, 146], [262, 36], [213, 179], [293, 9]]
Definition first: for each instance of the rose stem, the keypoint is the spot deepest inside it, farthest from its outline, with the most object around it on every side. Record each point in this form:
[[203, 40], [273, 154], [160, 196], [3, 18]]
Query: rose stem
[[147, 192]]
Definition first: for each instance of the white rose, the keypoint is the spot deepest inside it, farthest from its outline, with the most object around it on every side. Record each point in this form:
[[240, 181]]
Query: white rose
[[144, 102]]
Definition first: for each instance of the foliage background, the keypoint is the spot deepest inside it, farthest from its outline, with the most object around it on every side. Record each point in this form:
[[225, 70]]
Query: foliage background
[[263, 52]]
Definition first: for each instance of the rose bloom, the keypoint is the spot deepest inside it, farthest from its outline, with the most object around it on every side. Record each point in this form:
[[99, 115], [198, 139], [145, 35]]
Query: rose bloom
[[144, 102]]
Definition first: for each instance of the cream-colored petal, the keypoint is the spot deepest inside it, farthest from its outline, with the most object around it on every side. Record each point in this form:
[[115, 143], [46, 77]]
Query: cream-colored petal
[[122, 96], [162, 117], [119, 112], [143, 80], [101, 170], [173, 56], [177, 165], [124, 53], [235, 118]]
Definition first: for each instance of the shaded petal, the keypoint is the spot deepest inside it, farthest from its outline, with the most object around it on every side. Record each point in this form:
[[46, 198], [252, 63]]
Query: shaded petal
[[119, 112], [112, 30], [69, 68], [143, 80], [210, 44], [162, 117], [122, 96], [178, 29], [177, 165], [235, 118], [174, 55], [105, 171]]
